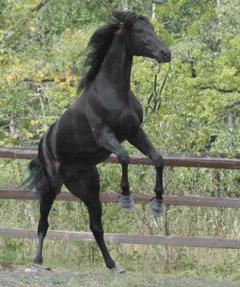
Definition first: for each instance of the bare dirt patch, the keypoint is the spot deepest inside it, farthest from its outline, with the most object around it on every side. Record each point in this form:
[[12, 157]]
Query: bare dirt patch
[[39, 277]]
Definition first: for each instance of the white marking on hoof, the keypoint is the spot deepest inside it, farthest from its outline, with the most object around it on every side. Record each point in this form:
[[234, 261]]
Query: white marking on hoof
[[157, 207], [118, 269], [38, 267], [126, 202]]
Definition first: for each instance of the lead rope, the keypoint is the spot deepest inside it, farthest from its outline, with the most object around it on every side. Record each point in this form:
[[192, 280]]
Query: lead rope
[[154, 101]]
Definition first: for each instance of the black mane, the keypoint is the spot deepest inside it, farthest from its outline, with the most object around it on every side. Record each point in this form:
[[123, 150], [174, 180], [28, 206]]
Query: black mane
[[99, 45]]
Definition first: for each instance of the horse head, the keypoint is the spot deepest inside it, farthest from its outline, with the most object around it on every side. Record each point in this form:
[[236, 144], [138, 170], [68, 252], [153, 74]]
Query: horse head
[[142, 40]]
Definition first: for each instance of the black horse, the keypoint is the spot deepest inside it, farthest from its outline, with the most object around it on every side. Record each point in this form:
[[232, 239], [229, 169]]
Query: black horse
[[90, 130]]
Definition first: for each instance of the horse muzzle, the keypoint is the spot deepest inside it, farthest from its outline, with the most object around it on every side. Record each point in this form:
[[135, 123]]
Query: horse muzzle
[[163, 56]]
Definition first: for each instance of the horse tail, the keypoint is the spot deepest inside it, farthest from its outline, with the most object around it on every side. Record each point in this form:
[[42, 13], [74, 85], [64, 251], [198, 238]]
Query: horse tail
[[42, 175]]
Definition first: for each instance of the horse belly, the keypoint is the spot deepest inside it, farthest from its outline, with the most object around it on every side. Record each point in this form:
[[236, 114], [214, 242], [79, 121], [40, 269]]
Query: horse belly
[[79, 148]]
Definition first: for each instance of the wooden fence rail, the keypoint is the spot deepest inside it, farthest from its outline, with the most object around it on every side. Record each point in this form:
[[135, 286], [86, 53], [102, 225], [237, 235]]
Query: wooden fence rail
[[125, 238], [174, 161], [107, 197], [171, 160]]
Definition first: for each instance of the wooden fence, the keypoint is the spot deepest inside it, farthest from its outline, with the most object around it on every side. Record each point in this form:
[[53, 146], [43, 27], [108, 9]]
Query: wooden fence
[[172, 160]]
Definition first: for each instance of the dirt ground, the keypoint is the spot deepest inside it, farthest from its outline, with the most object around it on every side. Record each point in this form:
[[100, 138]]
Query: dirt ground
[[39, 277]]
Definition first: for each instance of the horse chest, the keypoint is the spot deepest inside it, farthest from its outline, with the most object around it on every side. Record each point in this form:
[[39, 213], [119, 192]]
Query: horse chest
[[122, 118], [127, 123]]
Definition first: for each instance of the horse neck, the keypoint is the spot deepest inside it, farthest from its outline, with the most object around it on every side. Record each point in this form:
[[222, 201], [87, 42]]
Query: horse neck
[[117, 65]]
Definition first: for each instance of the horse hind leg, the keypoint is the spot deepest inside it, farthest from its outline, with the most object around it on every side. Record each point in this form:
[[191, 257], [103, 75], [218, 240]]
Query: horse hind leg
[[85, 185], [47, 196]]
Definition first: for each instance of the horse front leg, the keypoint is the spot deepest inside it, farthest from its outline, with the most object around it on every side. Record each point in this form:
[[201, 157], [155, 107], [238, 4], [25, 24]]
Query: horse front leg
[[126, 199], [141, 141], [107, 139]]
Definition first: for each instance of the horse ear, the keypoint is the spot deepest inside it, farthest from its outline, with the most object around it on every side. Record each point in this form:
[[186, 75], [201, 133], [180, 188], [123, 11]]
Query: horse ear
[[119, 16], [125, 17]]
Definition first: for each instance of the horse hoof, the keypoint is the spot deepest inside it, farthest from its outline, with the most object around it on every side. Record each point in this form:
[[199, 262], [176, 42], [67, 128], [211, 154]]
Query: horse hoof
[[39, 267], [117, 269], [157, 206], [126, 202]]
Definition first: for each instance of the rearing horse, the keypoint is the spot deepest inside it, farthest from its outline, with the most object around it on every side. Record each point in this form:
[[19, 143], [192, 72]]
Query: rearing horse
[[90, 130]]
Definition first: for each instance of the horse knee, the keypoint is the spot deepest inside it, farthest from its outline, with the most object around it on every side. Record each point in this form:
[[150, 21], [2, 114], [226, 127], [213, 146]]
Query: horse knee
[[158, 161], [123, 157]]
